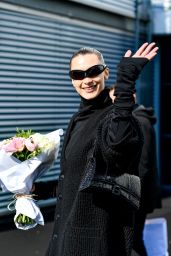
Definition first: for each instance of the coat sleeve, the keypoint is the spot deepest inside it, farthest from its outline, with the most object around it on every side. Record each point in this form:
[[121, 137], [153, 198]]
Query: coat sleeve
[[147, 163], [150, 182], [120, 136]]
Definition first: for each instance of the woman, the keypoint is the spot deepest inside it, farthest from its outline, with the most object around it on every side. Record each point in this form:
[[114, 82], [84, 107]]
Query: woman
[[87, 224]]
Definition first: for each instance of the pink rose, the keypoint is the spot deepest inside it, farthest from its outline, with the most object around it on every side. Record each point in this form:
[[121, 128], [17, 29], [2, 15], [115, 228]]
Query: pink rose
[[30, 145], [16, 145]]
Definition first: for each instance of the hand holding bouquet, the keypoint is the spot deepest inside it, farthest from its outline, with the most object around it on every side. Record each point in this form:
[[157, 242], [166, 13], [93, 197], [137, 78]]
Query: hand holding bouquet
[[24, 158]]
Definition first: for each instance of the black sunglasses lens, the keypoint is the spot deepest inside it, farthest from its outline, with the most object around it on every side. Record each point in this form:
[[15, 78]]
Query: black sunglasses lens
[[91, 72], [77, 74], [95, 70]]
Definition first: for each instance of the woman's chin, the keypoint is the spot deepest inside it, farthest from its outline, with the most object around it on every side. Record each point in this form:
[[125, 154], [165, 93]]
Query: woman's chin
[[90, 94]]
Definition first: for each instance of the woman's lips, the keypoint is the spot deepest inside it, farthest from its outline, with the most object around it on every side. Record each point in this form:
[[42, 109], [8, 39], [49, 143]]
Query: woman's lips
[[90, 88]]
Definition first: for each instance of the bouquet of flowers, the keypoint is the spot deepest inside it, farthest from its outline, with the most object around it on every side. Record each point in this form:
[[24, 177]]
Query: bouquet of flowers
[[24, 158]]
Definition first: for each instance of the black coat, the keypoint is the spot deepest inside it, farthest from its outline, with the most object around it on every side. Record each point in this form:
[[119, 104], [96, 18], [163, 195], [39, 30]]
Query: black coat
[[87, 224], [148, 171]]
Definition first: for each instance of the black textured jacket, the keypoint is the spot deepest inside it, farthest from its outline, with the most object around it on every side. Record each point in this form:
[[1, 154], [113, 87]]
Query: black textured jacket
[[87, 224], [148, 171]]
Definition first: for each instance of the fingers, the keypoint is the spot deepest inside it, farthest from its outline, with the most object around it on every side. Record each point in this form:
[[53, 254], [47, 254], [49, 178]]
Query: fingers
[[152, 53], [128, 53], [147, 51], [140, 51]]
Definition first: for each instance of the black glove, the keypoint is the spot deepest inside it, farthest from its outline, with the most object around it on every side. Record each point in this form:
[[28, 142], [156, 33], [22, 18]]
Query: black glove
[[128, 71]]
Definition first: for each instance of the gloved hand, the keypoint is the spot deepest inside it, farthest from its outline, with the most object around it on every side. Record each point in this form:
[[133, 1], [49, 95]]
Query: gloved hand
[[131, 65]]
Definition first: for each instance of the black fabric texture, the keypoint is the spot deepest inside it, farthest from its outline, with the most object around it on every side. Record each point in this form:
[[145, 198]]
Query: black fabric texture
[[148, 172], [127, 73]]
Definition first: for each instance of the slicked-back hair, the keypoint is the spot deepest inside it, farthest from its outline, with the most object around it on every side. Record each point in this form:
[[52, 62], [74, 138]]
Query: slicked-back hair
[[87, 50]]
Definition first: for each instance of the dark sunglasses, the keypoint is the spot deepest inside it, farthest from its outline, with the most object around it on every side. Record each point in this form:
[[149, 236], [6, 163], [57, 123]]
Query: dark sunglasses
[[90, 72]]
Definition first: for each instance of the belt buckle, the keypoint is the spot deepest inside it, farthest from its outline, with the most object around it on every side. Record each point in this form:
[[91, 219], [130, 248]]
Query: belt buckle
[[116, 190]]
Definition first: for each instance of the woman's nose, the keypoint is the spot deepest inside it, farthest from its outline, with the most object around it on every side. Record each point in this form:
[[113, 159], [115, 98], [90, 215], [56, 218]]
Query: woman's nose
[[88, 80]]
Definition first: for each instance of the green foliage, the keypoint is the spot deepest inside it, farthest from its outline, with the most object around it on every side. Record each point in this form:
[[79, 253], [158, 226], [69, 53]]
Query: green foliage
[[24, 220], [23, 134], [26, 154]]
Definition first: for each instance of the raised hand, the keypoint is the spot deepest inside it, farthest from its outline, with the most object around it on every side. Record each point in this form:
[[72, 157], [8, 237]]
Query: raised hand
[[147, 50]]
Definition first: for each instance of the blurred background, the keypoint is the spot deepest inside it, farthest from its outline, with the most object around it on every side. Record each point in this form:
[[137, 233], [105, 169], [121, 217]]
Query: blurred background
[[37, 39]]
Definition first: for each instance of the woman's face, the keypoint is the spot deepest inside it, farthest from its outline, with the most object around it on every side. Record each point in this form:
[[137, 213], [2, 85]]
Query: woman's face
[[88, 88]]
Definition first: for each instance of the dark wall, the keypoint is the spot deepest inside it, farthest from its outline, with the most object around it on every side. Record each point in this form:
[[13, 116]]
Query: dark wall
[[165, 109]]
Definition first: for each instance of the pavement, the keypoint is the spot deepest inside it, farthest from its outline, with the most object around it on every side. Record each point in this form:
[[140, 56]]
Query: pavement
[[34, 242]]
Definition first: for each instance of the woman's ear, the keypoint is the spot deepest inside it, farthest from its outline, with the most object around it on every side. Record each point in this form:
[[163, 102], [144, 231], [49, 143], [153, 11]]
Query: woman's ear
[[106, 73]]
